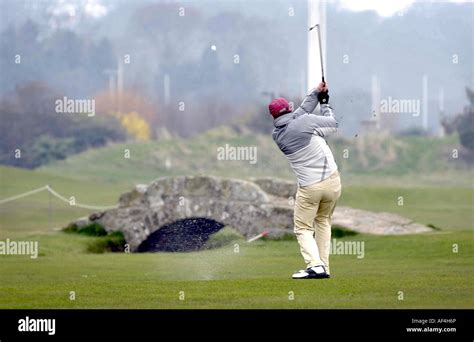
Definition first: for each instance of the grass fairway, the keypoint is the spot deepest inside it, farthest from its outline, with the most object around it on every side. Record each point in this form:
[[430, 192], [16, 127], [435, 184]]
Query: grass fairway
[[421, 266], [424, 268]]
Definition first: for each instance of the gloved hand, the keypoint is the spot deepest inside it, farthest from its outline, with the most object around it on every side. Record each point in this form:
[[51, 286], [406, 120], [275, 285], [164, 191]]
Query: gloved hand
[[322, 86], [323, 97]]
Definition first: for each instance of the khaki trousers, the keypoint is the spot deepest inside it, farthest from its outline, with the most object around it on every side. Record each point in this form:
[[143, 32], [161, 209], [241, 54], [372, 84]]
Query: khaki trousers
[[314, 207]]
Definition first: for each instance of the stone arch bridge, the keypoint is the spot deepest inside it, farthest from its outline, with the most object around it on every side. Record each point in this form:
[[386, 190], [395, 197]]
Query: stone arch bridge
[[250, 207]]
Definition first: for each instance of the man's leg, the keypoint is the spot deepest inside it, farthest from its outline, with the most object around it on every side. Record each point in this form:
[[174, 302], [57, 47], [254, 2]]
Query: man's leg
[[331, 193], [305, 213]]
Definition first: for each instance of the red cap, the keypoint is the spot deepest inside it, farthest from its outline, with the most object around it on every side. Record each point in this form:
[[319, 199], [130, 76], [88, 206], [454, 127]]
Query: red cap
[[279, 107]]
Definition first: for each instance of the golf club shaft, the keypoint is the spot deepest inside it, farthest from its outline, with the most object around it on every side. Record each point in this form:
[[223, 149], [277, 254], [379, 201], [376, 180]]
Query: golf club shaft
[[321, 53]]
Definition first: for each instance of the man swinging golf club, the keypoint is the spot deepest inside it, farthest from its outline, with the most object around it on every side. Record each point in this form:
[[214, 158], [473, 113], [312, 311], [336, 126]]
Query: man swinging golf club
[[300, 136]]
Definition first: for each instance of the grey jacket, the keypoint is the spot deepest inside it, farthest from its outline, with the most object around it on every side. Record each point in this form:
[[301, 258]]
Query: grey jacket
[[300, 136]]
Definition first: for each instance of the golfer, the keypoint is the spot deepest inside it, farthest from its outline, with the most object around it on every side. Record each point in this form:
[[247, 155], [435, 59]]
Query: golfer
[[300, 135]]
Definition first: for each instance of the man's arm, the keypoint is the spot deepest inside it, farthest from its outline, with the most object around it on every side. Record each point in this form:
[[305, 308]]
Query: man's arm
[[326, 110], [325, 123], [309, 103]]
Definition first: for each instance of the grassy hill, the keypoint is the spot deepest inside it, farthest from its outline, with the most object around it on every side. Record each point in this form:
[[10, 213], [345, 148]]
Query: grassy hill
[[41, 212], [256, 277], [449, 208], [423, 266], [375, 173], [365, 160]]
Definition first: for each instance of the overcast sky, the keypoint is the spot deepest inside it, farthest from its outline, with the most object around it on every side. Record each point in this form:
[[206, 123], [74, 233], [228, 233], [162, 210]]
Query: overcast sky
[[383, 8]]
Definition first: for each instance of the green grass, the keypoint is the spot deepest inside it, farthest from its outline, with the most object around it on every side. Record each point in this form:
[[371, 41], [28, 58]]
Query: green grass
[[376, 160], [226, 236], [422, 266], [33, 215], [445, 208]]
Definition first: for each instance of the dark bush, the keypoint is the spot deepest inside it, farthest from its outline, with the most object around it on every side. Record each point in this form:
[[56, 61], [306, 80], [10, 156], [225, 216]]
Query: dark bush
[[103, 241], [466, 129], [339, 232], [413, 132], [93, 229], [114, 242]]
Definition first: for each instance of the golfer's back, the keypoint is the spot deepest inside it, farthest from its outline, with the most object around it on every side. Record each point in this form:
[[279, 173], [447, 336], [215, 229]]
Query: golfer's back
[[308, 153]]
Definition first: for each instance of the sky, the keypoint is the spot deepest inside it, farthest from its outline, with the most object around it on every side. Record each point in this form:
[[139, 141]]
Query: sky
[[384, 8]]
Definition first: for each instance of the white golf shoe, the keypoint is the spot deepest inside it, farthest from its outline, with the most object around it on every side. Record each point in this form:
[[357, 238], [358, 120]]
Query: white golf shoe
[[314, 272]]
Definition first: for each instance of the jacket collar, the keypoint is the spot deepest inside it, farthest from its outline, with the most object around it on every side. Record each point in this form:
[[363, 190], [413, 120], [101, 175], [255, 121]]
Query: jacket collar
[[283, 120]]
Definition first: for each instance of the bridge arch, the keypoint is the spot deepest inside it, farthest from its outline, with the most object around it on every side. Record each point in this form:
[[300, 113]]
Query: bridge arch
[[184, 235], [170, 203], [248, 206]]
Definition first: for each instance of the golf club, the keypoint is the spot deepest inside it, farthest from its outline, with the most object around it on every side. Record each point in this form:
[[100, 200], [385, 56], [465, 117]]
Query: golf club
[[320, 50]]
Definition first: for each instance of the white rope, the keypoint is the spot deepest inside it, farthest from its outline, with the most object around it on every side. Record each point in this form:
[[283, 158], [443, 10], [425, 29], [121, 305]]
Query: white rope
[[13, 198], [85, 206], [57, 195]]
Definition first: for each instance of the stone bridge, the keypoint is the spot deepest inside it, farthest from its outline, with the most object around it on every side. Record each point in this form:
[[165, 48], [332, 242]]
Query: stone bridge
[[190, 207]]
